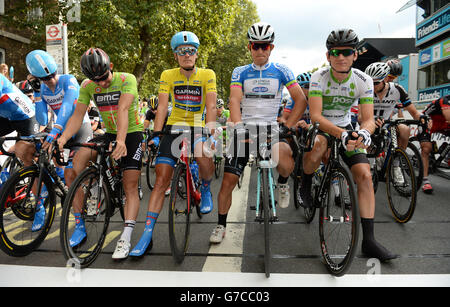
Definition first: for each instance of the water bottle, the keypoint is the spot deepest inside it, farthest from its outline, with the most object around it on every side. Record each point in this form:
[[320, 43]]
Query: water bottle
[[209, 152], [194, 171]]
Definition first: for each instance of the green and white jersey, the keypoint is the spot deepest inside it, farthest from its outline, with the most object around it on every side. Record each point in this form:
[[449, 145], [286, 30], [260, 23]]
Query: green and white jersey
[[338, 97]]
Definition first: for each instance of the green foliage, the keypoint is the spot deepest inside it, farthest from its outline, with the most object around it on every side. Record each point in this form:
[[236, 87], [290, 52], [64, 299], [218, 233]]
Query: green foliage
[[136, 33]]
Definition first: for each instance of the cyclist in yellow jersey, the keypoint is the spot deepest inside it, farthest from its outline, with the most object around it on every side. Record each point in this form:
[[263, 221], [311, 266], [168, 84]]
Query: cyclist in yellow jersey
[[116, 97], [192, 90]]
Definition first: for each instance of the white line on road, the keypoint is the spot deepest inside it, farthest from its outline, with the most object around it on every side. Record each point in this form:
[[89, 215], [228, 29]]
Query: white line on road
[[33, 276], [234, 238]]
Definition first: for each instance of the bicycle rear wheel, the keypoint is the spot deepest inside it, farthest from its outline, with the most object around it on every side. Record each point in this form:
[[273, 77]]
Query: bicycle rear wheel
[[401, 186], [416, 159], [339, 221], [95, 206], [266, 211], [179, 214], [18, 210]]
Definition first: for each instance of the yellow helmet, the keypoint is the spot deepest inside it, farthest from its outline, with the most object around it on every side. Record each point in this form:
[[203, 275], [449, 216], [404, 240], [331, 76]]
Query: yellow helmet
[[153, 102]]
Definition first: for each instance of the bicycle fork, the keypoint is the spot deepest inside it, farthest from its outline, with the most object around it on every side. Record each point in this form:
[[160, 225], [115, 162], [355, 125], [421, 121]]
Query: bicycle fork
[[271, 186]]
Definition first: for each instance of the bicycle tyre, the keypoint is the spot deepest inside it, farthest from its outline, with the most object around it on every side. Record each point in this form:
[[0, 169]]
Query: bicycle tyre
[[86, 253], [343, 261], [406, 215], [416, 160], [308, 212], [179, 216], [150, 172], [15, 195], [266, 208]]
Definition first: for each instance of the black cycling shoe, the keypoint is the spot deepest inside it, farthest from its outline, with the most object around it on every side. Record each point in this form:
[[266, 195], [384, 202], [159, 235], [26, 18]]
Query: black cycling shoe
[[373, 249]]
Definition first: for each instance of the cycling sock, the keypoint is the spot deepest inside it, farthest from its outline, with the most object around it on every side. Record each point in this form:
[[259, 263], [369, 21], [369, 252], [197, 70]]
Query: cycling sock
[[282, 180], [223, 219], [205, 183], [79, 223], [370, 246], [128, 230], [367, 228], [425, 180], [151, 220]]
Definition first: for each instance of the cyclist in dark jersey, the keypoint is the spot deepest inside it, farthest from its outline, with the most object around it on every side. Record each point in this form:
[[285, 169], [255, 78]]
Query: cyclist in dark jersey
[[439, 112]]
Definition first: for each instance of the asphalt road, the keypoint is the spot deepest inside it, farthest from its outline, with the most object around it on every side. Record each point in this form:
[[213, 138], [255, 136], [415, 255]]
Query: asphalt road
[[423, 243]]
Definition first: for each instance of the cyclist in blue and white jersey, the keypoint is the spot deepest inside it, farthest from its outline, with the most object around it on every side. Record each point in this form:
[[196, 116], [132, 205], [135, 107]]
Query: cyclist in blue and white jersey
[[303, 80], [333, 91], [17, 113], [257, 89], [60, 93]]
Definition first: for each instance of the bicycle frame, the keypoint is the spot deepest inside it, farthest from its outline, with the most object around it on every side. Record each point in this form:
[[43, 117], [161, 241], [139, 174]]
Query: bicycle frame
[[190, 188]]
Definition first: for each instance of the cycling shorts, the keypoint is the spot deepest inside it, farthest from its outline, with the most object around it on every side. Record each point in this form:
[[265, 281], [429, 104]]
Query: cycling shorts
[[238, 151], [350, 157], [83, 135], [133, 160], [24, 127], [170, 145]]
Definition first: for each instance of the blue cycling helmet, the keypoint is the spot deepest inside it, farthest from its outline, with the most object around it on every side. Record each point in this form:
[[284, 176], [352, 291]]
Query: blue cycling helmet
[[40, 64], [304, 78], [184, 38]]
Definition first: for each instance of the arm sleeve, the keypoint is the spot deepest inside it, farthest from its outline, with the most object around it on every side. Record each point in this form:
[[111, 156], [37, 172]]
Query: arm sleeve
[[71, 93], [41, 112]]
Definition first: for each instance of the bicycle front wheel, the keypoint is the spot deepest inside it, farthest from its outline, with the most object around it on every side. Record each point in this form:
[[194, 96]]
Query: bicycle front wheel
[[19, 235], [150, 173], [179, 214], [266, 200], [339, 221], [94, 203], [401, 186]]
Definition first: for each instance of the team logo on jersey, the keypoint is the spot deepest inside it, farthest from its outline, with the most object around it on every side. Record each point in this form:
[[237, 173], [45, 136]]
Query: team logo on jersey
[[98, 89]]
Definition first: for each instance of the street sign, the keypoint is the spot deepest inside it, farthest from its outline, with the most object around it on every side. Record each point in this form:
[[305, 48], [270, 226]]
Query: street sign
[[56, 44]]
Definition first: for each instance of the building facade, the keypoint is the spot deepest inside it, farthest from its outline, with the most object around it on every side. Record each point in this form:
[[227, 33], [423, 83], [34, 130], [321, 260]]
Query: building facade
[[433, 42]]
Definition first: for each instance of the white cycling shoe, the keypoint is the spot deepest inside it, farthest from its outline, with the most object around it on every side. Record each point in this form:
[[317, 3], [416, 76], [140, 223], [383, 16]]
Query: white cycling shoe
[[122, 250]]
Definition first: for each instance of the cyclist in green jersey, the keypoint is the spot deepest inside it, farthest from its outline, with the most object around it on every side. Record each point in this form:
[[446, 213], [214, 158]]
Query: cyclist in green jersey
[[116, 97], [222, 115], [333, 90]]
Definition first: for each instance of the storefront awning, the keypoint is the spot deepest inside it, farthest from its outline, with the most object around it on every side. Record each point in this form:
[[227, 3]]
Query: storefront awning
[[408, 4]]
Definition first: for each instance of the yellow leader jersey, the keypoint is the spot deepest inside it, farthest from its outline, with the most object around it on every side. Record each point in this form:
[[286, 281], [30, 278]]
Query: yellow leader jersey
[[188, 95]]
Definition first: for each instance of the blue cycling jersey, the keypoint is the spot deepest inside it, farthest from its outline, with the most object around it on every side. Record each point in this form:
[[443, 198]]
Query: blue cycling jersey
[[14, 105], [62, 101], [262, 88]]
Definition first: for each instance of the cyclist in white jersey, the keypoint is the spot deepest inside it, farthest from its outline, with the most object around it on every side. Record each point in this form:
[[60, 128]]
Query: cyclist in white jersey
[[387, 97], [257, 89], [333, 90]]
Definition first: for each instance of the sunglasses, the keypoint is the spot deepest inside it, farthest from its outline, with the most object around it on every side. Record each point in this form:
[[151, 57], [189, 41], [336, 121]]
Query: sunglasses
[[377, 82], [186, 50], [102, 78], [48, 78], [344, 52], [263, 46]]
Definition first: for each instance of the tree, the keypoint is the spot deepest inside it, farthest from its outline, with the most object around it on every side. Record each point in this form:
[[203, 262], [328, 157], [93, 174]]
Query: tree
[[136, 33]]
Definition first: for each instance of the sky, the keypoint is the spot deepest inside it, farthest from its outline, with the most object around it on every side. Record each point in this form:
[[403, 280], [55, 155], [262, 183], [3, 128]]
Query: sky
[[302, 27]]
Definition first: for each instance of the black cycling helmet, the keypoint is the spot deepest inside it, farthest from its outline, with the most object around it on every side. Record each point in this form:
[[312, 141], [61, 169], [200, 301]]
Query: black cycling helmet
[[342, 38], [95, 63], [396, 67], [25, 87]]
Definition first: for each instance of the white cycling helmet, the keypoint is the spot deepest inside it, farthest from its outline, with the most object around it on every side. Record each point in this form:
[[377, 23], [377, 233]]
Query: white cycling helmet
[[261, 32], [378, 70]]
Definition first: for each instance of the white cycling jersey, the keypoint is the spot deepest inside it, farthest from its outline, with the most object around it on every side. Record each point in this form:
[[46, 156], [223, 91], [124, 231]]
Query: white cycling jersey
[[338, 97], [394, 95], [262, 88]]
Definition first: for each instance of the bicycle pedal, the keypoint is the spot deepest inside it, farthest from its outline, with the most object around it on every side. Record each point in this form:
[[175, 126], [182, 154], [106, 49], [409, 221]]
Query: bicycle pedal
[[259, 219], [252, 207]]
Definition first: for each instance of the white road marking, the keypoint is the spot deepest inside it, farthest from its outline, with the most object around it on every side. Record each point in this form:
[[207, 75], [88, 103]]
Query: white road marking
[[234, 238]]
